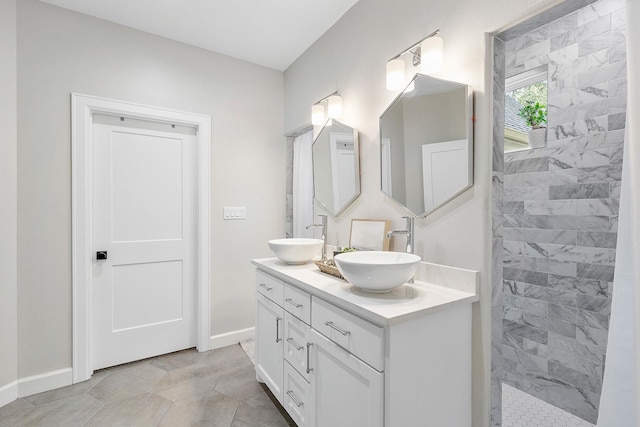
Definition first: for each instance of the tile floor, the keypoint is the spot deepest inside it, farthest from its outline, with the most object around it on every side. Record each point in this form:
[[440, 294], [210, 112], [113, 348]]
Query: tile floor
[[520, 409], [187, 388]]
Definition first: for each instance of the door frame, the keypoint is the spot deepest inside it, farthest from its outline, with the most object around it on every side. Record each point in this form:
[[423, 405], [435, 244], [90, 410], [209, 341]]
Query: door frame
[[82, 109]]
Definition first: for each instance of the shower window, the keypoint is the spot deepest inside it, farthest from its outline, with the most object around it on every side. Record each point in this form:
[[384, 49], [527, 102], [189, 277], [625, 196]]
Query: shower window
[[520, 90]]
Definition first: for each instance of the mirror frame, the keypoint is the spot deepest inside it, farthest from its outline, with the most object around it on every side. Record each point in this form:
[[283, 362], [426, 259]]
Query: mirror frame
[[356, 159], [470, 118]]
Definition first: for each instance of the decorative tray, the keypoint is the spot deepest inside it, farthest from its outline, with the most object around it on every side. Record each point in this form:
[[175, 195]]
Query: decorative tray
[[329, 267]]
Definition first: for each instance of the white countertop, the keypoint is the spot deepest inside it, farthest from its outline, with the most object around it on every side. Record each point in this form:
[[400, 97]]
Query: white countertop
[[401, 304]]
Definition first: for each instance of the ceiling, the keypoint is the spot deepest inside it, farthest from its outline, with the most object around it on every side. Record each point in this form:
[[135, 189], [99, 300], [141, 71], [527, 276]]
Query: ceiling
[[272, 33]]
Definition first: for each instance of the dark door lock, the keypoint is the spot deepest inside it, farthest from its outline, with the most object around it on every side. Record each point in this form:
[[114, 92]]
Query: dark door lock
[[101, 255]]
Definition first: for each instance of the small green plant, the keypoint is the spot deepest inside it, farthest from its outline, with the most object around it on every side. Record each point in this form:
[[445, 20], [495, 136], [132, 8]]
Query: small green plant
[[348, 250], [344, 250], [535, 114]]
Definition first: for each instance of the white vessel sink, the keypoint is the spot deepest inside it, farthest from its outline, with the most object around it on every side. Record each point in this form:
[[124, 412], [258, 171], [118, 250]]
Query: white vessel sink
[[377, 271], [295, 250]]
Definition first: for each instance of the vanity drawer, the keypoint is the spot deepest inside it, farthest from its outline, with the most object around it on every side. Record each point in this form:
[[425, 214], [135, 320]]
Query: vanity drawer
[[359, 337], [296, 337], [296, 396], [298, 303], [270, 287]]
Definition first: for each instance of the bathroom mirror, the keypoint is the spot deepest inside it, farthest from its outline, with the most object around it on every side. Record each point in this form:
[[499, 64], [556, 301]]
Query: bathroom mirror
[[426, 144], [336, 167]]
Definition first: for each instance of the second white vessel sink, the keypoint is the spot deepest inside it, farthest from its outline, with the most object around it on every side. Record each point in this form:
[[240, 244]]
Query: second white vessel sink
[[295, 250], [377, 271]]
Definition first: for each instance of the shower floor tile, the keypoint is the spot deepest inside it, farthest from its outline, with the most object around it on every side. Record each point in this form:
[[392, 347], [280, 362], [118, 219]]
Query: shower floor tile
[[520, 409]]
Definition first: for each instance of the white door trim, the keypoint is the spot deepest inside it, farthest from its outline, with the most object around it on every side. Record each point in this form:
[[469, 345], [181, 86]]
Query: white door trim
[[82, 109]]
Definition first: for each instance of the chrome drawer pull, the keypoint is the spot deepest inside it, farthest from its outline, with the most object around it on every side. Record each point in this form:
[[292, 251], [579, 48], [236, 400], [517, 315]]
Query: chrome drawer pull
[[309, 344], [264, 286], [334, 327], [296, 305], [293, 343], [290, 394], [278, 319]]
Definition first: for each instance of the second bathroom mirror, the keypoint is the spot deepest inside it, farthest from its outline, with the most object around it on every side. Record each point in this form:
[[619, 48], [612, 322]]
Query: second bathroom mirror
[[336, 167], [426, 144]]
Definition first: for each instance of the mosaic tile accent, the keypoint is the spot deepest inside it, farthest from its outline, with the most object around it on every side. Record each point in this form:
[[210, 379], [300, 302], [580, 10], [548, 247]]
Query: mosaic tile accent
[[560, 209], [522, 409]]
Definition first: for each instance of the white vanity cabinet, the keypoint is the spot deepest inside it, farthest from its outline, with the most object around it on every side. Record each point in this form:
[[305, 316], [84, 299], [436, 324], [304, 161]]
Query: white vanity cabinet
[[282, 343], [296, 355], [345, 391], [269, 332], [296, 334], [348, 358], [316, 377]]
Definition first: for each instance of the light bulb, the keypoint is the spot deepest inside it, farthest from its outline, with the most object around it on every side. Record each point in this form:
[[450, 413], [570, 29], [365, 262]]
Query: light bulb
[[317, 115], [335, 107], [395, 74], [432, 55]]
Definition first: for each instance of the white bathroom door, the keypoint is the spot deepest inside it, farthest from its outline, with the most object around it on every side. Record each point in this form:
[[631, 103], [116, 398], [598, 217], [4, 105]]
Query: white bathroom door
[[144, 220]]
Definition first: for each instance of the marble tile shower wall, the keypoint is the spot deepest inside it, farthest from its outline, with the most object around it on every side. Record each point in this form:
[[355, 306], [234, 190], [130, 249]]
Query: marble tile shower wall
[[497, 229], [561, 210]]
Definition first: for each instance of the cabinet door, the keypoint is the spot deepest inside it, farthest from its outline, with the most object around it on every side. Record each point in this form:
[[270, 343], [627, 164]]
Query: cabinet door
[[296, 396], [296, 336], [345, 391], [269, 344]]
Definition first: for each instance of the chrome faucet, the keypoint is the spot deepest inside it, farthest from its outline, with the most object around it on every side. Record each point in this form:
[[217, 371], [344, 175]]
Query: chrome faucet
[[323, 224], [408, 231]]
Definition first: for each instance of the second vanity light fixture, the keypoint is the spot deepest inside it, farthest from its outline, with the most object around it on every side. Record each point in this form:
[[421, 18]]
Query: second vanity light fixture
[[333, 110], [427, 54]]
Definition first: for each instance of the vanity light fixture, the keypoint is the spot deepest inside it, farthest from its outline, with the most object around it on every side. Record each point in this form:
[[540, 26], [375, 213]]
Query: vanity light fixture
[[333, 109], [427, 54], [317, 114], [432, 55], [395, 74]]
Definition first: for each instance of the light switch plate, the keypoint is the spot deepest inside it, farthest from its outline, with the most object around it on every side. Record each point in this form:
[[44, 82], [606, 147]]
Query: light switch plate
[[237, 212]]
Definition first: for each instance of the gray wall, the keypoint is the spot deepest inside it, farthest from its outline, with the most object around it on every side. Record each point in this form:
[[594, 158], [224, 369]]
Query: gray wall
[[561, 209], [8, 200], [60, 52], [351, 57]]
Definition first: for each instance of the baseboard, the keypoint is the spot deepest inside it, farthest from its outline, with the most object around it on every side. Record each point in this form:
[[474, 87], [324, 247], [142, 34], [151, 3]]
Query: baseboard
[[8, 393], [63, 377], [231, 338], [44, 382]]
